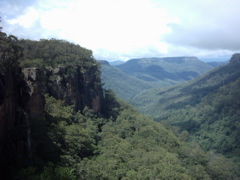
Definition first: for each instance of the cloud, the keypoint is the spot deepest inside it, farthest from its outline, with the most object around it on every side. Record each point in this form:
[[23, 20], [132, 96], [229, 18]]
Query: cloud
[[12, 8], [149, 51], [116, 26], [129, 28], [204, 38], [211, 25]]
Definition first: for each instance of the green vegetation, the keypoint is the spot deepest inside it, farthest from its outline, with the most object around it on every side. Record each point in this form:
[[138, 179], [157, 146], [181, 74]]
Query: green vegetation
[[58, 53], [170, 69], [53, 53], [126, 145], [49, 173], [134, 76], [10, 53], [120, 143], [208, 108], [125, 86]]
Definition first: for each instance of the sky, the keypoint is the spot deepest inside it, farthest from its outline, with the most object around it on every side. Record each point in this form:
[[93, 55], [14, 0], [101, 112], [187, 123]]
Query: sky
[[126, 29]]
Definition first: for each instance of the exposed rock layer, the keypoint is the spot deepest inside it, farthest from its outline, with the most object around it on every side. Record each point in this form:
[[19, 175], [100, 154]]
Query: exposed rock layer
[[73, 87]]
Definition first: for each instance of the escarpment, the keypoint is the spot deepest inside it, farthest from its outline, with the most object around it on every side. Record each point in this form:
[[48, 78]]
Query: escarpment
[[73, 86], [22, 99], [28, 71]]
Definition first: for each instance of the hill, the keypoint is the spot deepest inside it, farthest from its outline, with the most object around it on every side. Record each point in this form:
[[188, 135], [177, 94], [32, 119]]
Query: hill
[[207, 107], [125, 86], [137, 75], [165, 71]]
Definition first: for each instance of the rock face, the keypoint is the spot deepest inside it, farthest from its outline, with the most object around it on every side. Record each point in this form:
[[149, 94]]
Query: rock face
[[22, 97], [15, 142], [36, 103], [74, 87]]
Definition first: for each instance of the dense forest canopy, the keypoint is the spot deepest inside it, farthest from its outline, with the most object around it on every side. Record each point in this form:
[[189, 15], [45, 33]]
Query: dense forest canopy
[[54, 53], [208, 108], [127, 145], [11, 53], [121, 143], [113, 78]]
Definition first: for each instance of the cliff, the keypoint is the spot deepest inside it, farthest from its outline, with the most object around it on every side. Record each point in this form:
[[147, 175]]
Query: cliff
[[74, 87], [22, 98], [15, 142], [65, 71]]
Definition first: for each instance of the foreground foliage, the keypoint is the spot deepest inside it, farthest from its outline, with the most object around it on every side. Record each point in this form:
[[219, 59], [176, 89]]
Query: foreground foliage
[[127, 145]]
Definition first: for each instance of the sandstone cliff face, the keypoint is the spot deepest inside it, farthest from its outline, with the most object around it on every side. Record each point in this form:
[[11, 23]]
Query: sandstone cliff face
[[32, 77], [75, 87]]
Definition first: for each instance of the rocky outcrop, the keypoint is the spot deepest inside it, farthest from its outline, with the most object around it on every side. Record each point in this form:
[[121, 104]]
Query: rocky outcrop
[[76, 87], [33, 77]]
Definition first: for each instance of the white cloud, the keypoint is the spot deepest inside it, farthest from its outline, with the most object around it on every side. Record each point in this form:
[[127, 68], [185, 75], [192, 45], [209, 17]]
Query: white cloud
[[26, 20], [129, 28], [116, 26], [212, 25]]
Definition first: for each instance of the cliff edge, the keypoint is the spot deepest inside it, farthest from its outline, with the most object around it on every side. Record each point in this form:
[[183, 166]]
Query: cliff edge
[[72, 86]]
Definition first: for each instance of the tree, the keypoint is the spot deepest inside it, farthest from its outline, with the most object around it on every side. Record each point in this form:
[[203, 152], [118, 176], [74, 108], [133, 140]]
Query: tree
[[10, 52]]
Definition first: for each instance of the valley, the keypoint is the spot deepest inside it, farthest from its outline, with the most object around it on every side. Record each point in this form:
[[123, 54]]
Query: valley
[[137, 75], [60, 119], [207, 106], [119, 90]]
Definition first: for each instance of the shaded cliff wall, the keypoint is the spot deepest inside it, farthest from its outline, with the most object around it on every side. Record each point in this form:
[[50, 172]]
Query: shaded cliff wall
[[15, 143], [22, 98]]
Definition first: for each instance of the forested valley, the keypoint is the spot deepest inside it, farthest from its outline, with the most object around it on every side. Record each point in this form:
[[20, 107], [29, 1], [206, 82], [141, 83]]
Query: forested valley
[[103, 137], [207, 107], [137, 75]]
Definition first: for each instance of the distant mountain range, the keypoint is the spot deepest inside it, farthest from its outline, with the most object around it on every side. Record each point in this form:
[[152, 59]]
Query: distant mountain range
[[136, 75], [199, 87], [171, 69]]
